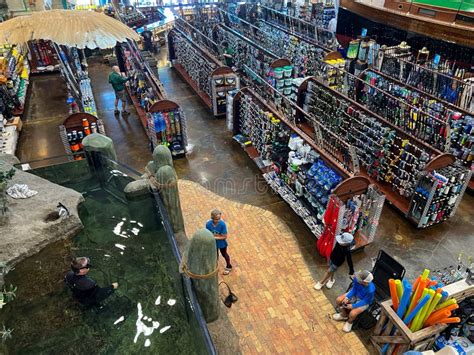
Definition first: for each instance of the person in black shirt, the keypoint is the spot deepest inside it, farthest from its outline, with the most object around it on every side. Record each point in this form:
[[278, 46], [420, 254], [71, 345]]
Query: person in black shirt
[[147, 39], [339, 254], [84, 289]]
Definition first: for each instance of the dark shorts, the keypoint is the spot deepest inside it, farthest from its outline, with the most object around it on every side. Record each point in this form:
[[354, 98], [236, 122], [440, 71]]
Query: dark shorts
[[121, 95], [332, 267]]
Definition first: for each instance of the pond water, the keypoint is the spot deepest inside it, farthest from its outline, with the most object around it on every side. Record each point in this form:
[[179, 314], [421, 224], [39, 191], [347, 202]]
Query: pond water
[[149, 312]]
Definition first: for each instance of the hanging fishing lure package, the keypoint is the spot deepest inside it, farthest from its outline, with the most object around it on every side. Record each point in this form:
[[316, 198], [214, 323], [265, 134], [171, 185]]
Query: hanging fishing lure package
[[438, 194], [428, 118]]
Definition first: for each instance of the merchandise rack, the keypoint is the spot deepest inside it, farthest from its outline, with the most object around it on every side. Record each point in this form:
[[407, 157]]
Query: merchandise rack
[[255, 63], [143, 74], [251, 53], [43, 57], [77, 78], [149, 97], [288, 45], [405, 68], [349, 187], [213, 81], [435, 201], [412, 119], [15, 90], [75, 123], [303, 28], [400, 201], [175, 133], [445, 110]]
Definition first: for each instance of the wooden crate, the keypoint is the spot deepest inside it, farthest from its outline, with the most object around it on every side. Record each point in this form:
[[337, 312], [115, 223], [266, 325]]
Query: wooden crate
[[403, 339]]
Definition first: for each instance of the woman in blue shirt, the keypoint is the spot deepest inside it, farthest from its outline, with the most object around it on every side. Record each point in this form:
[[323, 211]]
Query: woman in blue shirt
[[218, 227]]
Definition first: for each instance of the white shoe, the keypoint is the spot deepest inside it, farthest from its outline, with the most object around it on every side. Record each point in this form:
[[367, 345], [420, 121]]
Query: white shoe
[[347, 327], [330, 283], [318, 286], [339, 317]]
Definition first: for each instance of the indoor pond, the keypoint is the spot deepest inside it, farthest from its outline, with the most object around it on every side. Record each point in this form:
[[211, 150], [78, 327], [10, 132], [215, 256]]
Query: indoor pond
[[126, 243]]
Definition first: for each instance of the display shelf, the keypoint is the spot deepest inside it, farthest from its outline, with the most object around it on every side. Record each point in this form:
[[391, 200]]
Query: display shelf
[[302, 27], [439, 191], [366, 131], [74, 129], [42, 57], [439, 81], [162, 119], [140, 111], [15, 72], [206, 75], [460, 122], [184, 74], [166, 125], [306, 181], [74, 70]]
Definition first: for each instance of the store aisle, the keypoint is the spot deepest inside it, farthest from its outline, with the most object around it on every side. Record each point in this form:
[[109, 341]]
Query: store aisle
[[46, 109], [130, 139], [278, 311], [219, 164]]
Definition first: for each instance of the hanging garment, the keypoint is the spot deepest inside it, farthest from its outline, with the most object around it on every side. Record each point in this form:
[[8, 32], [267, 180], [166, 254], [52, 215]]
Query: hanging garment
[[326, 242]]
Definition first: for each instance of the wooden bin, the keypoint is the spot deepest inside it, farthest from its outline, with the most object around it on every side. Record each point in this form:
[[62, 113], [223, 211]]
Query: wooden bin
[[403, 339]]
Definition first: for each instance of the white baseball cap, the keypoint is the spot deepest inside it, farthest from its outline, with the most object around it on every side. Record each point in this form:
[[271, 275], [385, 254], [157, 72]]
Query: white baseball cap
[[364, 276], [344, 238]]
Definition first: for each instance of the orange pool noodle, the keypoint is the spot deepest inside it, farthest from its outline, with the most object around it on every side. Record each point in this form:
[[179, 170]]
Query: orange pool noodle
[[436, 316], [416, 283], [421, 286], [393, 293], [448, 320]]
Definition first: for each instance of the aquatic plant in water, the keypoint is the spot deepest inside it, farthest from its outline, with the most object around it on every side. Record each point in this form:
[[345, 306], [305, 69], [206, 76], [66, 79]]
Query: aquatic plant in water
[[5, 334], [6, 294], [9, 293]]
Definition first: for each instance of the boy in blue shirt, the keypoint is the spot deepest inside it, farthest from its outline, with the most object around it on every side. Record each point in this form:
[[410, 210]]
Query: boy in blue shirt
[[357, 300], [218, 227]]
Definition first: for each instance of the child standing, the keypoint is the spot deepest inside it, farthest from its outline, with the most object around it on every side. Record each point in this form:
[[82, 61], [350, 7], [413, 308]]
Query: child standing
[[218, 227], [339, 255]]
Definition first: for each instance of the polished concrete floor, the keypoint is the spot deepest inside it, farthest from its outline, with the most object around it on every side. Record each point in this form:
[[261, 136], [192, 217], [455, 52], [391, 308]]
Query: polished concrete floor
[[218, 163], [46, 108]]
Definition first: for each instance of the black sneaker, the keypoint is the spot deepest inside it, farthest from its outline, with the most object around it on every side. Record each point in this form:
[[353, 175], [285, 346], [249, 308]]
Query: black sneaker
[[126, 113], [116, 112]]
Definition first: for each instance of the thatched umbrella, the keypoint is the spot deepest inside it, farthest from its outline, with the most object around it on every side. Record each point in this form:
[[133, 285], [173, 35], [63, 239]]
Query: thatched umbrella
[[81, 29]]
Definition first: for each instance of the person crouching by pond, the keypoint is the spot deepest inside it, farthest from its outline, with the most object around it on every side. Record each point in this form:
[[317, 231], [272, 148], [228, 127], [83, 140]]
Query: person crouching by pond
[[84, 289], [218, 227]]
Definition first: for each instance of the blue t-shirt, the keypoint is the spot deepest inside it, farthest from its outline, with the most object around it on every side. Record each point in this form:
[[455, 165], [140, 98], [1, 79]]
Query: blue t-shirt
[[365, 294], [220, 228]]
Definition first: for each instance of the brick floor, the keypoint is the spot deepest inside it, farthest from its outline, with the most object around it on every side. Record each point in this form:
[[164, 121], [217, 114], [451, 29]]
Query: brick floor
[[278, 311]]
